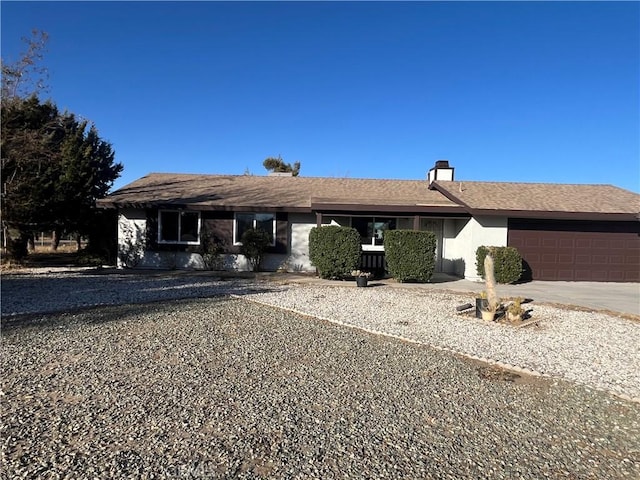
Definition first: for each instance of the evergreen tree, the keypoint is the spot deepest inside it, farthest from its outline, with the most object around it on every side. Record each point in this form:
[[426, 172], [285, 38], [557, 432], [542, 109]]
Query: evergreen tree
[[277, 165], [53, 165]]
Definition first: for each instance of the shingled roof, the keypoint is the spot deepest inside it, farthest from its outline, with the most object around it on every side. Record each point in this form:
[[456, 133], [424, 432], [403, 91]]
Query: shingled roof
[[543, 199], [307, 194], [286, 193]]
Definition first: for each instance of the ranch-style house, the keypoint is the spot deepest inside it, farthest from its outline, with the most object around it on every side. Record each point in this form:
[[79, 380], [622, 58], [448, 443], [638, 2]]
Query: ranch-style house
[[563, 232]]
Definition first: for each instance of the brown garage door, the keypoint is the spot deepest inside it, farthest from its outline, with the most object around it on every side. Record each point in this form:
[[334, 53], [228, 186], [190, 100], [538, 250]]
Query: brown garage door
[[578, 251]]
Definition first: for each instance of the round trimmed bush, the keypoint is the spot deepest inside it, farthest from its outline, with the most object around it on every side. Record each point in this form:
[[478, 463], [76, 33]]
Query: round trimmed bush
[[335, 251], [507, 261]]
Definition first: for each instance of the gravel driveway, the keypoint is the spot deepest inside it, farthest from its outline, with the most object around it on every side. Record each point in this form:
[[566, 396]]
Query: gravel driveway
[[225, 387]]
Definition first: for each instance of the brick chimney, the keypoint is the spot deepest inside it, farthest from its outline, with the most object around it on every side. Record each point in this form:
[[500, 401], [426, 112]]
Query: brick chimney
[[441, 171]]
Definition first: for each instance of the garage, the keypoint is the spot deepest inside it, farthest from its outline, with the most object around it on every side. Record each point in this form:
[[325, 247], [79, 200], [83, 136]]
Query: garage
[[599, 251]]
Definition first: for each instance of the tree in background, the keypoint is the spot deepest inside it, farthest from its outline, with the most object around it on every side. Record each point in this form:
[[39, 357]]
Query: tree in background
[[277, 165], [53, 165], [25, 77], [86, 174]]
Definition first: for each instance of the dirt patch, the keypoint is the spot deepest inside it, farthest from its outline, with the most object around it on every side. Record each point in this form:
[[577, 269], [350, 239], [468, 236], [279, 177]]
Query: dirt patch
[[496, 373]]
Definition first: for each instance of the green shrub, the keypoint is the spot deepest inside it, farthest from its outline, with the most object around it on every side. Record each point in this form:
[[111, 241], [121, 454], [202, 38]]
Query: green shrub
[[335, 251], [410, 254], [507, 261], [254, 244], [210, 249]]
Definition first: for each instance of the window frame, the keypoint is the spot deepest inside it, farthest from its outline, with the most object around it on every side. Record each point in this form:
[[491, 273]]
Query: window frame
[[372, 247], [180, 213], [235, 226]]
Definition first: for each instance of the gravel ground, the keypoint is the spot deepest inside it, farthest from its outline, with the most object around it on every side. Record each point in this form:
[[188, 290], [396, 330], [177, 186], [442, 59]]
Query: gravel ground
[[225, 387], [64, 290], [592, 348]]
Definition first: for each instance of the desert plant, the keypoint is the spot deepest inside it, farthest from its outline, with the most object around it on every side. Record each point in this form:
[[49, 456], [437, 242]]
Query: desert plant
[[515, 310], [410, 254], [255, 242], [507, 263], [492, 298], [335, 251]]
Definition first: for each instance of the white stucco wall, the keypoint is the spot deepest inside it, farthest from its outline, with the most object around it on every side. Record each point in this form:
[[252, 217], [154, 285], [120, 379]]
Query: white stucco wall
[[237, 262], [300, 226], [453, 238], [172, 261], [463, 237], [132, 233], [132, 228]]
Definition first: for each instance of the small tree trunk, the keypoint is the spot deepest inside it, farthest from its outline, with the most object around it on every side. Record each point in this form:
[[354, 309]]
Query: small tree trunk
[[17, 241], [490, 279], [55, 239], [79, 242]]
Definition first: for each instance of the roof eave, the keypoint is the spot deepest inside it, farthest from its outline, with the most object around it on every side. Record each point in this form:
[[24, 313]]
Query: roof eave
[[403, 208], [552, 215], [202, 207]]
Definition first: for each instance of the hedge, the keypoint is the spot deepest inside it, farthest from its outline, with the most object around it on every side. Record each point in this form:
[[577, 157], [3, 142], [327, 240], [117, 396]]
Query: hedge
[[410, 254], [507, 261], [335, 251]]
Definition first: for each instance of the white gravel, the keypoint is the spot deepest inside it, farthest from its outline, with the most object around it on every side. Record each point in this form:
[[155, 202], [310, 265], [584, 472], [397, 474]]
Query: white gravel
[[590, 348]]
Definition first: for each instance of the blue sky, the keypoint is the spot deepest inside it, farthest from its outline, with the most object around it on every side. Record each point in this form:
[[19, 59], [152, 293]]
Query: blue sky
[[506, 91]]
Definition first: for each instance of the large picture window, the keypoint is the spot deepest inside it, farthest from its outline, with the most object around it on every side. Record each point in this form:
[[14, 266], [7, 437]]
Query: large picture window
[[246, 221], [178, 227], [371, 230]]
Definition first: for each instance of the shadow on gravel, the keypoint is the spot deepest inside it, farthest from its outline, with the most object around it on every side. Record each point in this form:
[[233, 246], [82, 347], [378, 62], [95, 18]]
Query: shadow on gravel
[[97, 315], [26, 298]]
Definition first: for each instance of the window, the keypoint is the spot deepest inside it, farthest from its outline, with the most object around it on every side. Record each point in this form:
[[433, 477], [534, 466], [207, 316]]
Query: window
[[245, 221], [178, 227], [372, 230]]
